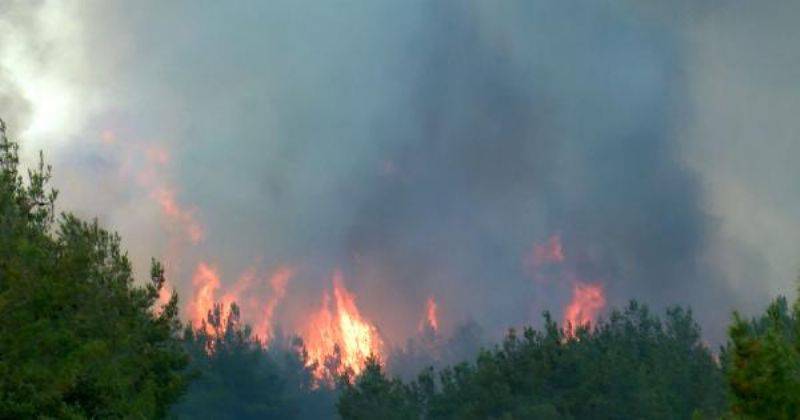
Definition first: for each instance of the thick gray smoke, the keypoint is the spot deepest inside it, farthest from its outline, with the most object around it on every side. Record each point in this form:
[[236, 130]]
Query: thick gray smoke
[[422, 147]]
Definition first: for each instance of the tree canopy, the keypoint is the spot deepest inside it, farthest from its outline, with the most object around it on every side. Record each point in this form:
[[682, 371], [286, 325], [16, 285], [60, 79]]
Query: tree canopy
[[763, 363], [78, 337], [633, 365], [237, 377]]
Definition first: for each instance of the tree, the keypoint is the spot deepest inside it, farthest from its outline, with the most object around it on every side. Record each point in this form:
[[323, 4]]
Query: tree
[[632, 365], [372, 395], [237, 377], [78, 338], [763, 363]]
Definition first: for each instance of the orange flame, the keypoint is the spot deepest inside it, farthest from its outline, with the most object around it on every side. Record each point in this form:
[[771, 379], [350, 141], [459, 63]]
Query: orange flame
[[431, 320], [341, 329], [587, 301], [205, 282], [152, 178], [235, 294], [164, 295], [278, 283], [165, 197]]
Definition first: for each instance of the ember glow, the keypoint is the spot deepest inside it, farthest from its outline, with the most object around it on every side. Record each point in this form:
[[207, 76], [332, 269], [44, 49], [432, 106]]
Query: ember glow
[[588, 299], [338, 329]]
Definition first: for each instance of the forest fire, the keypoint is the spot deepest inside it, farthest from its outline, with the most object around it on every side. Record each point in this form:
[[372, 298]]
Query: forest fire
[[547, 253], [165, 197], [337, 336], [406, 210], [431, 320], [152, 178], [205, 282], [236, 293], [587, 301], [263, 328]]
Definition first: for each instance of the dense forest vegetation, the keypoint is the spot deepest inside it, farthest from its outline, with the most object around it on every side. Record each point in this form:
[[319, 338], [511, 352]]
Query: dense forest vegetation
[[79, 338]]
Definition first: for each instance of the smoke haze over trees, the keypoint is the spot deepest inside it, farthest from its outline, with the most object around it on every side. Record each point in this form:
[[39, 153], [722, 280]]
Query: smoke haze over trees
[[79, 340], [369, 137], [346, 193]]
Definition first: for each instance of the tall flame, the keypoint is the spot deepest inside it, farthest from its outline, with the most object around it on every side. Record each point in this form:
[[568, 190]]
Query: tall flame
[[588, 299], [340, 331], [431, 320], [277, 282], [205, 282]]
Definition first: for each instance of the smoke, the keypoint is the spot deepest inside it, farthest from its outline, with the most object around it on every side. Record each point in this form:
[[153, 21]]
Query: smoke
[[424, 148]]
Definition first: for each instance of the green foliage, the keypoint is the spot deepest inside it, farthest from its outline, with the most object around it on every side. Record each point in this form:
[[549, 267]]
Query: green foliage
[[372, 396], [632, 365], [429, 349], [238, 378], [77, 338], [763, 363]]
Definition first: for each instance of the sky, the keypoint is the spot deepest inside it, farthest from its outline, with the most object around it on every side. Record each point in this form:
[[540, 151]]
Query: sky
[[428, 148]]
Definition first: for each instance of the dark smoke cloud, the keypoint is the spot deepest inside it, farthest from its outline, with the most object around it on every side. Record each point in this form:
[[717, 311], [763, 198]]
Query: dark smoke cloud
[[531, 127]]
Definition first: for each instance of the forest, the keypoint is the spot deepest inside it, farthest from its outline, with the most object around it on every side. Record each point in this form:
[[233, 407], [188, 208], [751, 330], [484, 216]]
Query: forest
[[81, 338]]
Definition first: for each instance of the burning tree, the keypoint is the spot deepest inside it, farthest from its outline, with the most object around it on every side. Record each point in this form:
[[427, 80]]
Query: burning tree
[[338, 337]]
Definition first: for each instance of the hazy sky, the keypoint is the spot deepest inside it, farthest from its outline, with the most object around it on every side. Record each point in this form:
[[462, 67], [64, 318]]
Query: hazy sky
[[424, 147]]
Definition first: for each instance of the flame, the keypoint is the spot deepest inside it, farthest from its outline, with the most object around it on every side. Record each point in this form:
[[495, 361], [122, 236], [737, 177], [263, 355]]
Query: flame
[[588, 299], [147, 165], [340, 329], [431, 320], [205, 282], [550, 252], [151, 176], [164, 295], [165, 197], [278, 284], [236, 293]]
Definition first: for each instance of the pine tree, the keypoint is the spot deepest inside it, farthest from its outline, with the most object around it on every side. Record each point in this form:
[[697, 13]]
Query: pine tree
[[78, 338]]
